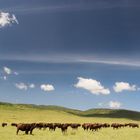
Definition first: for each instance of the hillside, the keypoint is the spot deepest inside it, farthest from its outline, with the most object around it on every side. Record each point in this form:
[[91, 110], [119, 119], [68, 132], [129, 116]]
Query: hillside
[[103, 113]]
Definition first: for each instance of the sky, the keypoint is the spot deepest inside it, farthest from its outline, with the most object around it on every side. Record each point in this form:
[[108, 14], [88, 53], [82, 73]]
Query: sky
[[79, 54]]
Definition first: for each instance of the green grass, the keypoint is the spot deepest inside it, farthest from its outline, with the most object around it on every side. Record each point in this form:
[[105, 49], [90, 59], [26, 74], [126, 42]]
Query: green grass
[[31, 113]]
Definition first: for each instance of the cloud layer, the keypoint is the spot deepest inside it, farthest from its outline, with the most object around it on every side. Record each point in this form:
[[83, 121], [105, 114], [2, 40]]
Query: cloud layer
[[92, 86], [7, 19], [124, 86]]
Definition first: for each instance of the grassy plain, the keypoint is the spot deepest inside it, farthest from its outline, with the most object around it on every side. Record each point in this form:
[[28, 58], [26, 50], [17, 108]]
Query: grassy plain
[[21, 113]]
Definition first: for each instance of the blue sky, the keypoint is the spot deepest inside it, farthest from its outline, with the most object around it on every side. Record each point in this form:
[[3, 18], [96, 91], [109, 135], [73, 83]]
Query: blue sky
[[78, 53]]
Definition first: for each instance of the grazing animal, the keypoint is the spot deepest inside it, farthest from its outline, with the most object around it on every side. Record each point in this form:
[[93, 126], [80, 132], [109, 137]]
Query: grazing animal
[[86, 126], [40, 125], [126, 124], [75, 125], [133, 125], [117, 125], [95, 127], [4, 124], [26, 127], [105, 125], [52, 126], [14, 124], [64, 127]]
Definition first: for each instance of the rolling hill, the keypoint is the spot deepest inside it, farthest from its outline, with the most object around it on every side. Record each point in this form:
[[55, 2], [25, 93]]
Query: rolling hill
[[101, 113]]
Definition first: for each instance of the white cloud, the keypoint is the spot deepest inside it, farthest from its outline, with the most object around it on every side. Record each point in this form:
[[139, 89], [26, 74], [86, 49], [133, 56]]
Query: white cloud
[[7, 19], [24, 86], [7, 70], [21, 86], [92, 86], [47, 87], [114, 104], [124, 86], [111, 104], [32, 85]]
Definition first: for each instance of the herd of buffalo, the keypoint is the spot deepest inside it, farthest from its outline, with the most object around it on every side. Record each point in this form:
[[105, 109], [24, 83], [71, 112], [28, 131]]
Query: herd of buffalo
[[29, 127]]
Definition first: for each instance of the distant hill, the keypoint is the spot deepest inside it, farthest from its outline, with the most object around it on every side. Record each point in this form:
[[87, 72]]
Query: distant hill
[[103, 113]]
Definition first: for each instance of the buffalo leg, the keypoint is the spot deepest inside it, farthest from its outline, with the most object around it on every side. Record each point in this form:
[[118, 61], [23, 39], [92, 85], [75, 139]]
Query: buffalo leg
[[17, 131], [26, 132]]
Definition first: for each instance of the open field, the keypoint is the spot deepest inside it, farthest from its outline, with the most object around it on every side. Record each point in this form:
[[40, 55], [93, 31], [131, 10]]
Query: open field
[[21, 113]]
